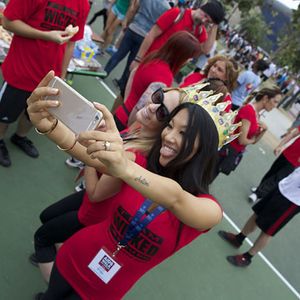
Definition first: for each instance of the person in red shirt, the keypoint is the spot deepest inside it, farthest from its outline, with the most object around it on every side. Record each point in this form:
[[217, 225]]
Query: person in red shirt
[[202, 22], [287, 161], [221, 67], [251, 130], [43, 40], [190, 210], [157, 70]]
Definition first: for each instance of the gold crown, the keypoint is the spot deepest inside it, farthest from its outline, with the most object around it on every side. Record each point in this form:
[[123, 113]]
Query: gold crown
[[223, 121]]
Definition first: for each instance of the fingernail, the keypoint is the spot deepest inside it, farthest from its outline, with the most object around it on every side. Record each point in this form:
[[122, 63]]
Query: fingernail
[[54, 91]]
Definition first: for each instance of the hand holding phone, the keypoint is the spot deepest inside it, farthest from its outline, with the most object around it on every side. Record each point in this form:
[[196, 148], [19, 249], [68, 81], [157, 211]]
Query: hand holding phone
[[76, 112]]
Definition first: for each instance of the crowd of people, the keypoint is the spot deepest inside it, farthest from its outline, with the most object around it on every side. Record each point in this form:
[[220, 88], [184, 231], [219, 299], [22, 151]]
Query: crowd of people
[[149, 166]]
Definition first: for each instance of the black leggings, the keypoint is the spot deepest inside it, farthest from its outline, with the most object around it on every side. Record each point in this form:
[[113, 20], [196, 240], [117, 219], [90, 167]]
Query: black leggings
[[60, 221], [280, 169], [102, 12], [59, 288]]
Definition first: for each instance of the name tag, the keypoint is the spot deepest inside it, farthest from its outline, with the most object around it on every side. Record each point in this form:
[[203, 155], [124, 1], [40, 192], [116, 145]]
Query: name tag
[[104, 266]]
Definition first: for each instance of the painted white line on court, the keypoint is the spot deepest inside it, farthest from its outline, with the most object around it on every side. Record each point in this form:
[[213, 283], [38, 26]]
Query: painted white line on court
[[232, 223], [106, 87], [295, 292]]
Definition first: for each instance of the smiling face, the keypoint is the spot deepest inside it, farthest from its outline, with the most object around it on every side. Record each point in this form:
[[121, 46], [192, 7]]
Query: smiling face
[[271, 103], [147, 115], [172, 138], [218, 70]]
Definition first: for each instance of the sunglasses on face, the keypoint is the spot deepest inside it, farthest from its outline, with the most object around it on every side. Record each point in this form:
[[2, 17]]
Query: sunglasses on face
[[162, 113]]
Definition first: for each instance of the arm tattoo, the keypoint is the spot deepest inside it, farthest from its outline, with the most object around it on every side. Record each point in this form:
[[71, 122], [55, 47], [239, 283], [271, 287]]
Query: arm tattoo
[[141, 180]]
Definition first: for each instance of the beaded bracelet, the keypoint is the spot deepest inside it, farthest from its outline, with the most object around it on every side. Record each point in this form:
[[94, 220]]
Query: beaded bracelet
[[67, 149], [48, 131]]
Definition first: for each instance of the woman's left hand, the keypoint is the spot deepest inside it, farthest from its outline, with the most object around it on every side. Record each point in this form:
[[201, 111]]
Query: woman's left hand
[[106, 146]]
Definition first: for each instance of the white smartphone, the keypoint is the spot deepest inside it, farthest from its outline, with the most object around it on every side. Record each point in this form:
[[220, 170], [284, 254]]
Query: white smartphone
[[74, 111]]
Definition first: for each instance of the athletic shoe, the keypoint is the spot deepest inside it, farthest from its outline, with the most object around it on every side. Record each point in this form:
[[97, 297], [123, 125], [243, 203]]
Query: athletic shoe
[[80, 186], [239, 260], [111, 50], [253, 198], [4, 155], [74, 163], [229, 238], [25, 145], [39, 296], [33, 259], [253, 189]]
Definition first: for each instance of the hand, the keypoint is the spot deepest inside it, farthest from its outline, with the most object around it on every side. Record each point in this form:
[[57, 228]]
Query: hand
[[263, 126], [61, 37], [133, 65], [37, 107], [277, 150], [106, 146]]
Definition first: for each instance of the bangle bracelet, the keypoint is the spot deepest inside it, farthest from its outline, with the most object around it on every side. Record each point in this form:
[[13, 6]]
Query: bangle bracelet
[[138, 59], [67, 149], [48, 131]]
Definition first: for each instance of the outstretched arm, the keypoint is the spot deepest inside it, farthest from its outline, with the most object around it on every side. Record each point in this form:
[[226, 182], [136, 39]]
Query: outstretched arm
[[198, 212]]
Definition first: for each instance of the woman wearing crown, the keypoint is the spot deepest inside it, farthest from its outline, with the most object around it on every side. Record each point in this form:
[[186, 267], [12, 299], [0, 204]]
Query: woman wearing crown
[[163, 204]]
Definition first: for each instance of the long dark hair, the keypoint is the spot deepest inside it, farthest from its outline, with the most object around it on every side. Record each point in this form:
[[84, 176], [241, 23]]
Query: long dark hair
[[176, 51], [194, 175]]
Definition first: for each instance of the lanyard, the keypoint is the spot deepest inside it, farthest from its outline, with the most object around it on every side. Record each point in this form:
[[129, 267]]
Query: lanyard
[[138, 223]]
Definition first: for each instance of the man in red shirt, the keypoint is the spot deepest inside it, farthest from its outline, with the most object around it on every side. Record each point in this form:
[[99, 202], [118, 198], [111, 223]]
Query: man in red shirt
[[282, 166], [44, 36], [202, 22]]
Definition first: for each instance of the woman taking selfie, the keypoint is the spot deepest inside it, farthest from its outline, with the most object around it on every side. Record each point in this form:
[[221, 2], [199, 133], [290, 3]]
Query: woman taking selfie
[[180, 166]]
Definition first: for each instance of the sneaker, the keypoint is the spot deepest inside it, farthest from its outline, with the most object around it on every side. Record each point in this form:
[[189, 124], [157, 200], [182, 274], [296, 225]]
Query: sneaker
[[74, 163], [252, 198], [33, 259], [230, 238], [25, 144], [239, 260], [4, 155], [111, 50], [253, 189], [80, 186], [39, 296]]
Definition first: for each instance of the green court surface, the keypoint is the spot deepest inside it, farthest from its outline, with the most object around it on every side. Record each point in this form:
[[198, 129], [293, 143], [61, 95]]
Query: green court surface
[[200, 271]]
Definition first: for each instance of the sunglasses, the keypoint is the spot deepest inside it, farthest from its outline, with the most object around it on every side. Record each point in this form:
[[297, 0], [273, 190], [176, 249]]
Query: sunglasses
[[162, 113]]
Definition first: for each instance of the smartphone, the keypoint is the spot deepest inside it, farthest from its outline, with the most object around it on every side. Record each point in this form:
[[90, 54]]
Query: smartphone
[[76, 112]]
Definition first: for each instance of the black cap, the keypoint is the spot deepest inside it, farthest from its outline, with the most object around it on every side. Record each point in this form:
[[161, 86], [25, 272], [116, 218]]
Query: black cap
[[215, 10]]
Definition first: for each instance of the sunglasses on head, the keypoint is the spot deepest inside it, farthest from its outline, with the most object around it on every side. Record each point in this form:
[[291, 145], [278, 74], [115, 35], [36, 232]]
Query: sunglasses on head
[[162, 113]]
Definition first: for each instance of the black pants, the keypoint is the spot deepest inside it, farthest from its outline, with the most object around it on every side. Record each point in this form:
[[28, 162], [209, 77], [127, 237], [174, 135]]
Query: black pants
[[279, 170], [59, 288], [60, 221], [102, 12]]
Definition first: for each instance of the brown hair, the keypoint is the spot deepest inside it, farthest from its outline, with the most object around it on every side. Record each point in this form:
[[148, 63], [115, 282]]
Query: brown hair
[[232, 70], [270, 92], [181, 46]]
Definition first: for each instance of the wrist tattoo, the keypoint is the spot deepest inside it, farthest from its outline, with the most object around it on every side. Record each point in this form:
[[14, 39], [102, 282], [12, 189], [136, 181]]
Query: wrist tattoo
[[141, 180]]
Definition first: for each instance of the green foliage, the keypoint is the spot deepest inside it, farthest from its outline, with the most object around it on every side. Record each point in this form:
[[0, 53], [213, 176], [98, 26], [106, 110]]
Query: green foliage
[[255, 28], [289, 45], [244, 5]]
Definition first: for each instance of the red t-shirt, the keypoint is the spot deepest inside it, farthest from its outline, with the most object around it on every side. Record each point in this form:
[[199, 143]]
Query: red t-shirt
[[153, 245], [154, 71], [292, 153], [29, 60], [166, 22], [197, 77], [246, 112], [91, 213]]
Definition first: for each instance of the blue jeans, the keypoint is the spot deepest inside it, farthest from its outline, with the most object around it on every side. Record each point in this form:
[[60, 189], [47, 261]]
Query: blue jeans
[[130, 44]]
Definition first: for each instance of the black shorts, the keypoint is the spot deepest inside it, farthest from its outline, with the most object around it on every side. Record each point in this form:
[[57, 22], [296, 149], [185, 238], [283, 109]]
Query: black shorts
[[273, 212], [12, 103]]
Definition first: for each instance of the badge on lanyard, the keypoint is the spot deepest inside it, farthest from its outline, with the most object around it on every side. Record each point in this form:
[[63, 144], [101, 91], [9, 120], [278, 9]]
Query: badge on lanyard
[[104, 265]]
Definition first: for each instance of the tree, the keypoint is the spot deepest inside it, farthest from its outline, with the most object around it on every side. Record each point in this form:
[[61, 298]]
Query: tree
[[254, 28], [289, 45]]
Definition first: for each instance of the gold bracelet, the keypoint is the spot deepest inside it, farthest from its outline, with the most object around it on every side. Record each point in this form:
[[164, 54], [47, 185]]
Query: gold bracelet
[[48, 131], [67, 149]]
